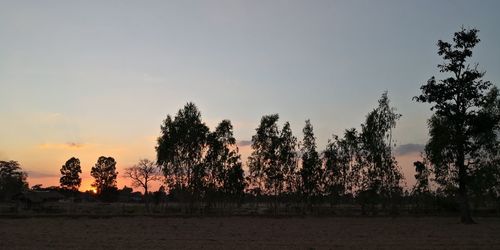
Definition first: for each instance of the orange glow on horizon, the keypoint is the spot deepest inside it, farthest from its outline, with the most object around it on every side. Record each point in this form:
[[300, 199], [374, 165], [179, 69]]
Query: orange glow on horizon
[[52, 179], [86, 184]]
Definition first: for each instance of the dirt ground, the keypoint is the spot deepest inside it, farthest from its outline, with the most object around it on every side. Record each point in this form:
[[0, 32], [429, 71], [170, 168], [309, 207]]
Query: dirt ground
[[248, 233]]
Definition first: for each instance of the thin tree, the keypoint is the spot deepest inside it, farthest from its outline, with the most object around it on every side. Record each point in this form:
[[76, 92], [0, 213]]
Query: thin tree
[[422, 174], [333, 160], [311, 171], [70, 174], [288, 160], [462, 129], [352, 148], [380, 173], [263, 163], [421, 192]]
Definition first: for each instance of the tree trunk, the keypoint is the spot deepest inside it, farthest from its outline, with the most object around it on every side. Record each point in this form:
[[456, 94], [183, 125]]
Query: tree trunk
[[465, 215], [146, 199]]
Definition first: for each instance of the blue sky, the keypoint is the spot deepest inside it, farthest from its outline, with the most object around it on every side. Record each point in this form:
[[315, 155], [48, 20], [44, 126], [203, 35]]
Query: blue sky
[[102, 75]]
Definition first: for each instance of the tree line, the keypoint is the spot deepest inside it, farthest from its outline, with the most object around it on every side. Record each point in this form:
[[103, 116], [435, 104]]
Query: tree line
[[196, 165], [200, 165]]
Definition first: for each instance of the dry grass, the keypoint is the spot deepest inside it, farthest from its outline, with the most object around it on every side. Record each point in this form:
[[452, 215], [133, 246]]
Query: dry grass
[[248, 233]]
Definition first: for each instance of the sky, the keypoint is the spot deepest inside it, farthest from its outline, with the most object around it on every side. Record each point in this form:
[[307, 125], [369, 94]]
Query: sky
[[92, 78]]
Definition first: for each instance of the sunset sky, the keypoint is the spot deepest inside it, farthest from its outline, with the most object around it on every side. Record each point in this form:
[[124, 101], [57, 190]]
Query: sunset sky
[[92, 78]]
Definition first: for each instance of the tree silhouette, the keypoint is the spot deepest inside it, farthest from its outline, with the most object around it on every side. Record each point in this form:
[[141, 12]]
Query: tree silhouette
[[422, 178], [462, 129], [223, 162], [486, 175], [340, 160], [273, 162], [421, 194], [142, 174], [288, 159], [234, 185], [263, 162], [104, 173], [311, 171], [180, 150], [12, 179], [380, 174], [334, 162], [70, 172]]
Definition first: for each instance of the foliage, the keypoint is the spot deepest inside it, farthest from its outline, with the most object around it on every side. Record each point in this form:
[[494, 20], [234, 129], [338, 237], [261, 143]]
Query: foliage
[[12, 179], [287, 159], [70, 172], [380, 174], [263, 162], [463, 129], [340, 160], [311, 171], [180, 150], [198, 163], [422, 178], [272, 164], [223, 162], [104, 173]]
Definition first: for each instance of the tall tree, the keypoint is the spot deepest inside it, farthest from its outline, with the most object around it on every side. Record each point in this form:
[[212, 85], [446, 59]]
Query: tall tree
[[142, 174], [461, 128], [104, 173], [70, 174], [12, 179], [311, 171], [263, 162], [287, 159], [340, 164], [273, 161], [380, 173], [223, 162], [352, 147], [334, 161], [180, 150]]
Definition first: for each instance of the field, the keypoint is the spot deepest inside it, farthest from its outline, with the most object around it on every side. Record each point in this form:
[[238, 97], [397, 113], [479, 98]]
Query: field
[[248, 233]]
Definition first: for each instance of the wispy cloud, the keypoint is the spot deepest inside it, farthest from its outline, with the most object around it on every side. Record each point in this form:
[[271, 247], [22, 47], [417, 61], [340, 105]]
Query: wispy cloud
[[409, 148], [74, 145], [68, 145], [244, 143], [36, 174], [49, 117]]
